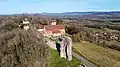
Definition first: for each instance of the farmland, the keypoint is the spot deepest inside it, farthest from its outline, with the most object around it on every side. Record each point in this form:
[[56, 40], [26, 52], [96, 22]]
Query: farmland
[[104, 57]]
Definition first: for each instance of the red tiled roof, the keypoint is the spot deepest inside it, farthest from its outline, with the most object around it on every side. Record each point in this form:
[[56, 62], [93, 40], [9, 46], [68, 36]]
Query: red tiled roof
[[53, 27], [55, 31]]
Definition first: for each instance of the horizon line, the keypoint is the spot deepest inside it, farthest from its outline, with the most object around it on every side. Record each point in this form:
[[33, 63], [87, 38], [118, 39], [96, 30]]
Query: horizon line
[[55, 12]]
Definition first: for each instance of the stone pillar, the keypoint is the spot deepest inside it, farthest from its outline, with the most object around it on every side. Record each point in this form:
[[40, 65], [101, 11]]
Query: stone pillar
[[62, 50], [69, 51]]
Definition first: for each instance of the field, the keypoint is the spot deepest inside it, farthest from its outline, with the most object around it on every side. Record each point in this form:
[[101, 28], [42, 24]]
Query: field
[[56, 61], [104, 57], [101, 30]]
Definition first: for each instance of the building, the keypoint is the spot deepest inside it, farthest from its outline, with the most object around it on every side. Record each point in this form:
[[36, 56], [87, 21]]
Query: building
[[51, 30], [53, 22], [54, 30], [25, 24]]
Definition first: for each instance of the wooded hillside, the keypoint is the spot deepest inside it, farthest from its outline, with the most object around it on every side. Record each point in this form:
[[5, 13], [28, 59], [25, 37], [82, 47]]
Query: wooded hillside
[[20, 48]]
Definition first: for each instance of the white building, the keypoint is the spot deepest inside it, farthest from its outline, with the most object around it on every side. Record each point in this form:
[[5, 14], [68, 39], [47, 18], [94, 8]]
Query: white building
[[26, 24]]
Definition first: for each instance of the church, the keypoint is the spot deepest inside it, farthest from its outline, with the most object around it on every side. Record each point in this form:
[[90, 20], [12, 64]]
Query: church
[[51, 30]]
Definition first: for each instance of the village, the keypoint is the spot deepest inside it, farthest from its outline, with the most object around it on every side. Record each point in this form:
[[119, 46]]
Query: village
[[47, 30], [58, 30]]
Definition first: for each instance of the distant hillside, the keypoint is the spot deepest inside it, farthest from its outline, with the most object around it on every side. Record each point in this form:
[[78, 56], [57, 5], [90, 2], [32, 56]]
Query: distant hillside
[[75, 15], [85, 15], [68, 13], [81, 13]]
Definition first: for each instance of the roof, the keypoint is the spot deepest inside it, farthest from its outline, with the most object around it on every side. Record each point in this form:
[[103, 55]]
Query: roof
[[53, 27]]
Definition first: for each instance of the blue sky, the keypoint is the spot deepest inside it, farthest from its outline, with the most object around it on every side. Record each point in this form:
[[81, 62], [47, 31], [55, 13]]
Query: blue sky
[[57, 6]]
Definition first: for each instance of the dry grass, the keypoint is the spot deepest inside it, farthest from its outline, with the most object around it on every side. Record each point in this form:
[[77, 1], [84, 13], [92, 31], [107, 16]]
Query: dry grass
[[104, 57]]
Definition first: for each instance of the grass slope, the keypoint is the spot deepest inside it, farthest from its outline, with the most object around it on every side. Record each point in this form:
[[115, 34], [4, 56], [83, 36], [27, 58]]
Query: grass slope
[[56, 61], [104, 57]]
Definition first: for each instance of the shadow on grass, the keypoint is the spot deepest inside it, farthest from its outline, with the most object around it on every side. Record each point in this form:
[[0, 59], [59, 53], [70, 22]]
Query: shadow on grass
[[58, 47]]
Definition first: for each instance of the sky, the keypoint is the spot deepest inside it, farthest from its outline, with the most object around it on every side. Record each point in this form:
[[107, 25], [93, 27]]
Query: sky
[[57, 6]]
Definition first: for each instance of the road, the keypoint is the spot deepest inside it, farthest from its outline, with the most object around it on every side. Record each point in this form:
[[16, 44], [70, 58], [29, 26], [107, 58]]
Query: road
[[87, 63]]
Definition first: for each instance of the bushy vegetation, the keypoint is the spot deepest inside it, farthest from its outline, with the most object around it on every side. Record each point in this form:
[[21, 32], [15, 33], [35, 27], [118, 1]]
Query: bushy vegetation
[[20, 48]]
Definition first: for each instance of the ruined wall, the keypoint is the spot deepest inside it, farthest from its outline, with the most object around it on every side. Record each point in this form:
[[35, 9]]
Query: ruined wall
[[66, 48]]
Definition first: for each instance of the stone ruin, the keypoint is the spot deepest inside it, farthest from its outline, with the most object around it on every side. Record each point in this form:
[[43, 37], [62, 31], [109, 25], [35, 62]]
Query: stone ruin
[[66, 47], [63, 46]]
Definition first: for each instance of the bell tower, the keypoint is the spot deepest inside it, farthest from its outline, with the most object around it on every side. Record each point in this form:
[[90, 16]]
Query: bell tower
[[25, 24]]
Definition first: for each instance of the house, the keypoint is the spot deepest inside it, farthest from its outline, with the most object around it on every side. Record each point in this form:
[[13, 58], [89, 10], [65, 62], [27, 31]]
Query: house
[[51, 30], [54, 30]]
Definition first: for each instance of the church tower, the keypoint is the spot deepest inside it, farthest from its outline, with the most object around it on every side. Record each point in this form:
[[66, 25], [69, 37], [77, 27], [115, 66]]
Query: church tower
[[25, 24]]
